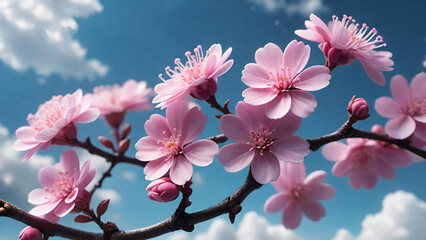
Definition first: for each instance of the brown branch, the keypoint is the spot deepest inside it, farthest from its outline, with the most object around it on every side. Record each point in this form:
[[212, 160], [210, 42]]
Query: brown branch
[[179, 220], [47, 228], [347, 131], [106, 174], [182, 221], [214, 104]]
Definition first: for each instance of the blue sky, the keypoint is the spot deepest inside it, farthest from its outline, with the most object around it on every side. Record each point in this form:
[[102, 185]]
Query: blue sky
[[107, 42]]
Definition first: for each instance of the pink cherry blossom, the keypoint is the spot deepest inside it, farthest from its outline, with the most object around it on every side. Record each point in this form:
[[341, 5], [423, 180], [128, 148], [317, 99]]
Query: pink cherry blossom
[[62, 184], [198, 76], [364, 160], [169, 146], [163, 190], [54, 123], [30, 233], [275, 82], [261, 141], [114, 101], [358, 108], [342, 41], [298, 194], [407, 112]]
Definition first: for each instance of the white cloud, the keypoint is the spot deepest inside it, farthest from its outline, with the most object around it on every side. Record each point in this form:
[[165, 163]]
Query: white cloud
[[197, 179], [402, 217], [111, 194], [17, 179], [38, 35], [252, 227], [129, 175], [303, 7]]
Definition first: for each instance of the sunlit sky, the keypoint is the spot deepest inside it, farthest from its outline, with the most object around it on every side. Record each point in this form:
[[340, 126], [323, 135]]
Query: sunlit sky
[[69, 45]]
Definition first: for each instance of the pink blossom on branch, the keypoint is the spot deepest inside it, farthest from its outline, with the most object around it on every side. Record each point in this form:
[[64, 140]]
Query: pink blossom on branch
[[197, 77], [298, 194], [261, 141], [114, 101], [30, 233], [343, 41], [63, 184], [275, 82], [169, 147], [407, 111], [54, 123], [365, 160]]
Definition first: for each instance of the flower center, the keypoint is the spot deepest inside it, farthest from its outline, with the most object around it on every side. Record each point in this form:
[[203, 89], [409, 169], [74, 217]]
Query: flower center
[[416, 106], [299, 193], [261, 139], [171, 144], [186, 74], [282, 80], [361, 39], [62, 186], [48, 113], [364, 158]]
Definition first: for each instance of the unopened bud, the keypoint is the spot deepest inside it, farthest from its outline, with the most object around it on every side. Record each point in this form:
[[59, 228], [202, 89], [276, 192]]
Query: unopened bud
[[205, 90], [163, 190], [102, 207], [123, 146], [126, 130], [30, 233], [106, 142], [115, 119], [358, 108]]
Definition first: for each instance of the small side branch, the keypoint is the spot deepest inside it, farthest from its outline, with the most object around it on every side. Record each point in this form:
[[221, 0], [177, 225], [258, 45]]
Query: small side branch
[[347, 131]]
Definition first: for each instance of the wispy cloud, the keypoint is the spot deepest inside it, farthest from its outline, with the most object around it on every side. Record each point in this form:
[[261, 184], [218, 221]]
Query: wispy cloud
[[39, 34], [302, 7], [102, 194], [402, 217], [252, 227]]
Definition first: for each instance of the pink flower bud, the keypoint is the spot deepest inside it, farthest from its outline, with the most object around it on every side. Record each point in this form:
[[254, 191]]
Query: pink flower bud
[[123, 146], [205, 90], [106, 142], [126, 130], [115, 119], [358, 108], [377, 128], [102, 207], [163, 190], [336, 56], [30, 233]]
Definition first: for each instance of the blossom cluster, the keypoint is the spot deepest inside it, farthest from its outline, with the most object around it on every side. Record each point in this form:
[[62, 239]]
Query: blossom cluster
[[262, 129]]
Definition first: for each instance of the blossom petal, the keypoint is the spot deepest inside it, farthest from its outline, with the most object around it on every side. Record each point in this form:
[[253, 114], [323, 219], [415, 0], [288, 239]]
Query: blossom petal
[[222, 69], [259, 96], [313, 78], [342, 168], [70, 163], [46, 174], [235, 156], [320, 191], [276, 202], [387, 107], [355, 180], [292, 215], [88, 116], [279, 107], [148, 149], [335, 151], [285, 126], [296, 56], [157, 127], [234, 129], [181, 170], [375, 74], [157, 168], [193, 125], [315, 178], [86, 175], [38, 196], [256, 76], [302, 103], [400, 127], [290, 149], [25, 132], [63, 208], [400, 89], [385, 170], [292, 173], [44, 208], [201, 153], [270, 57], [72, 196], [265, 168], [418, 85], [313, 210]]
